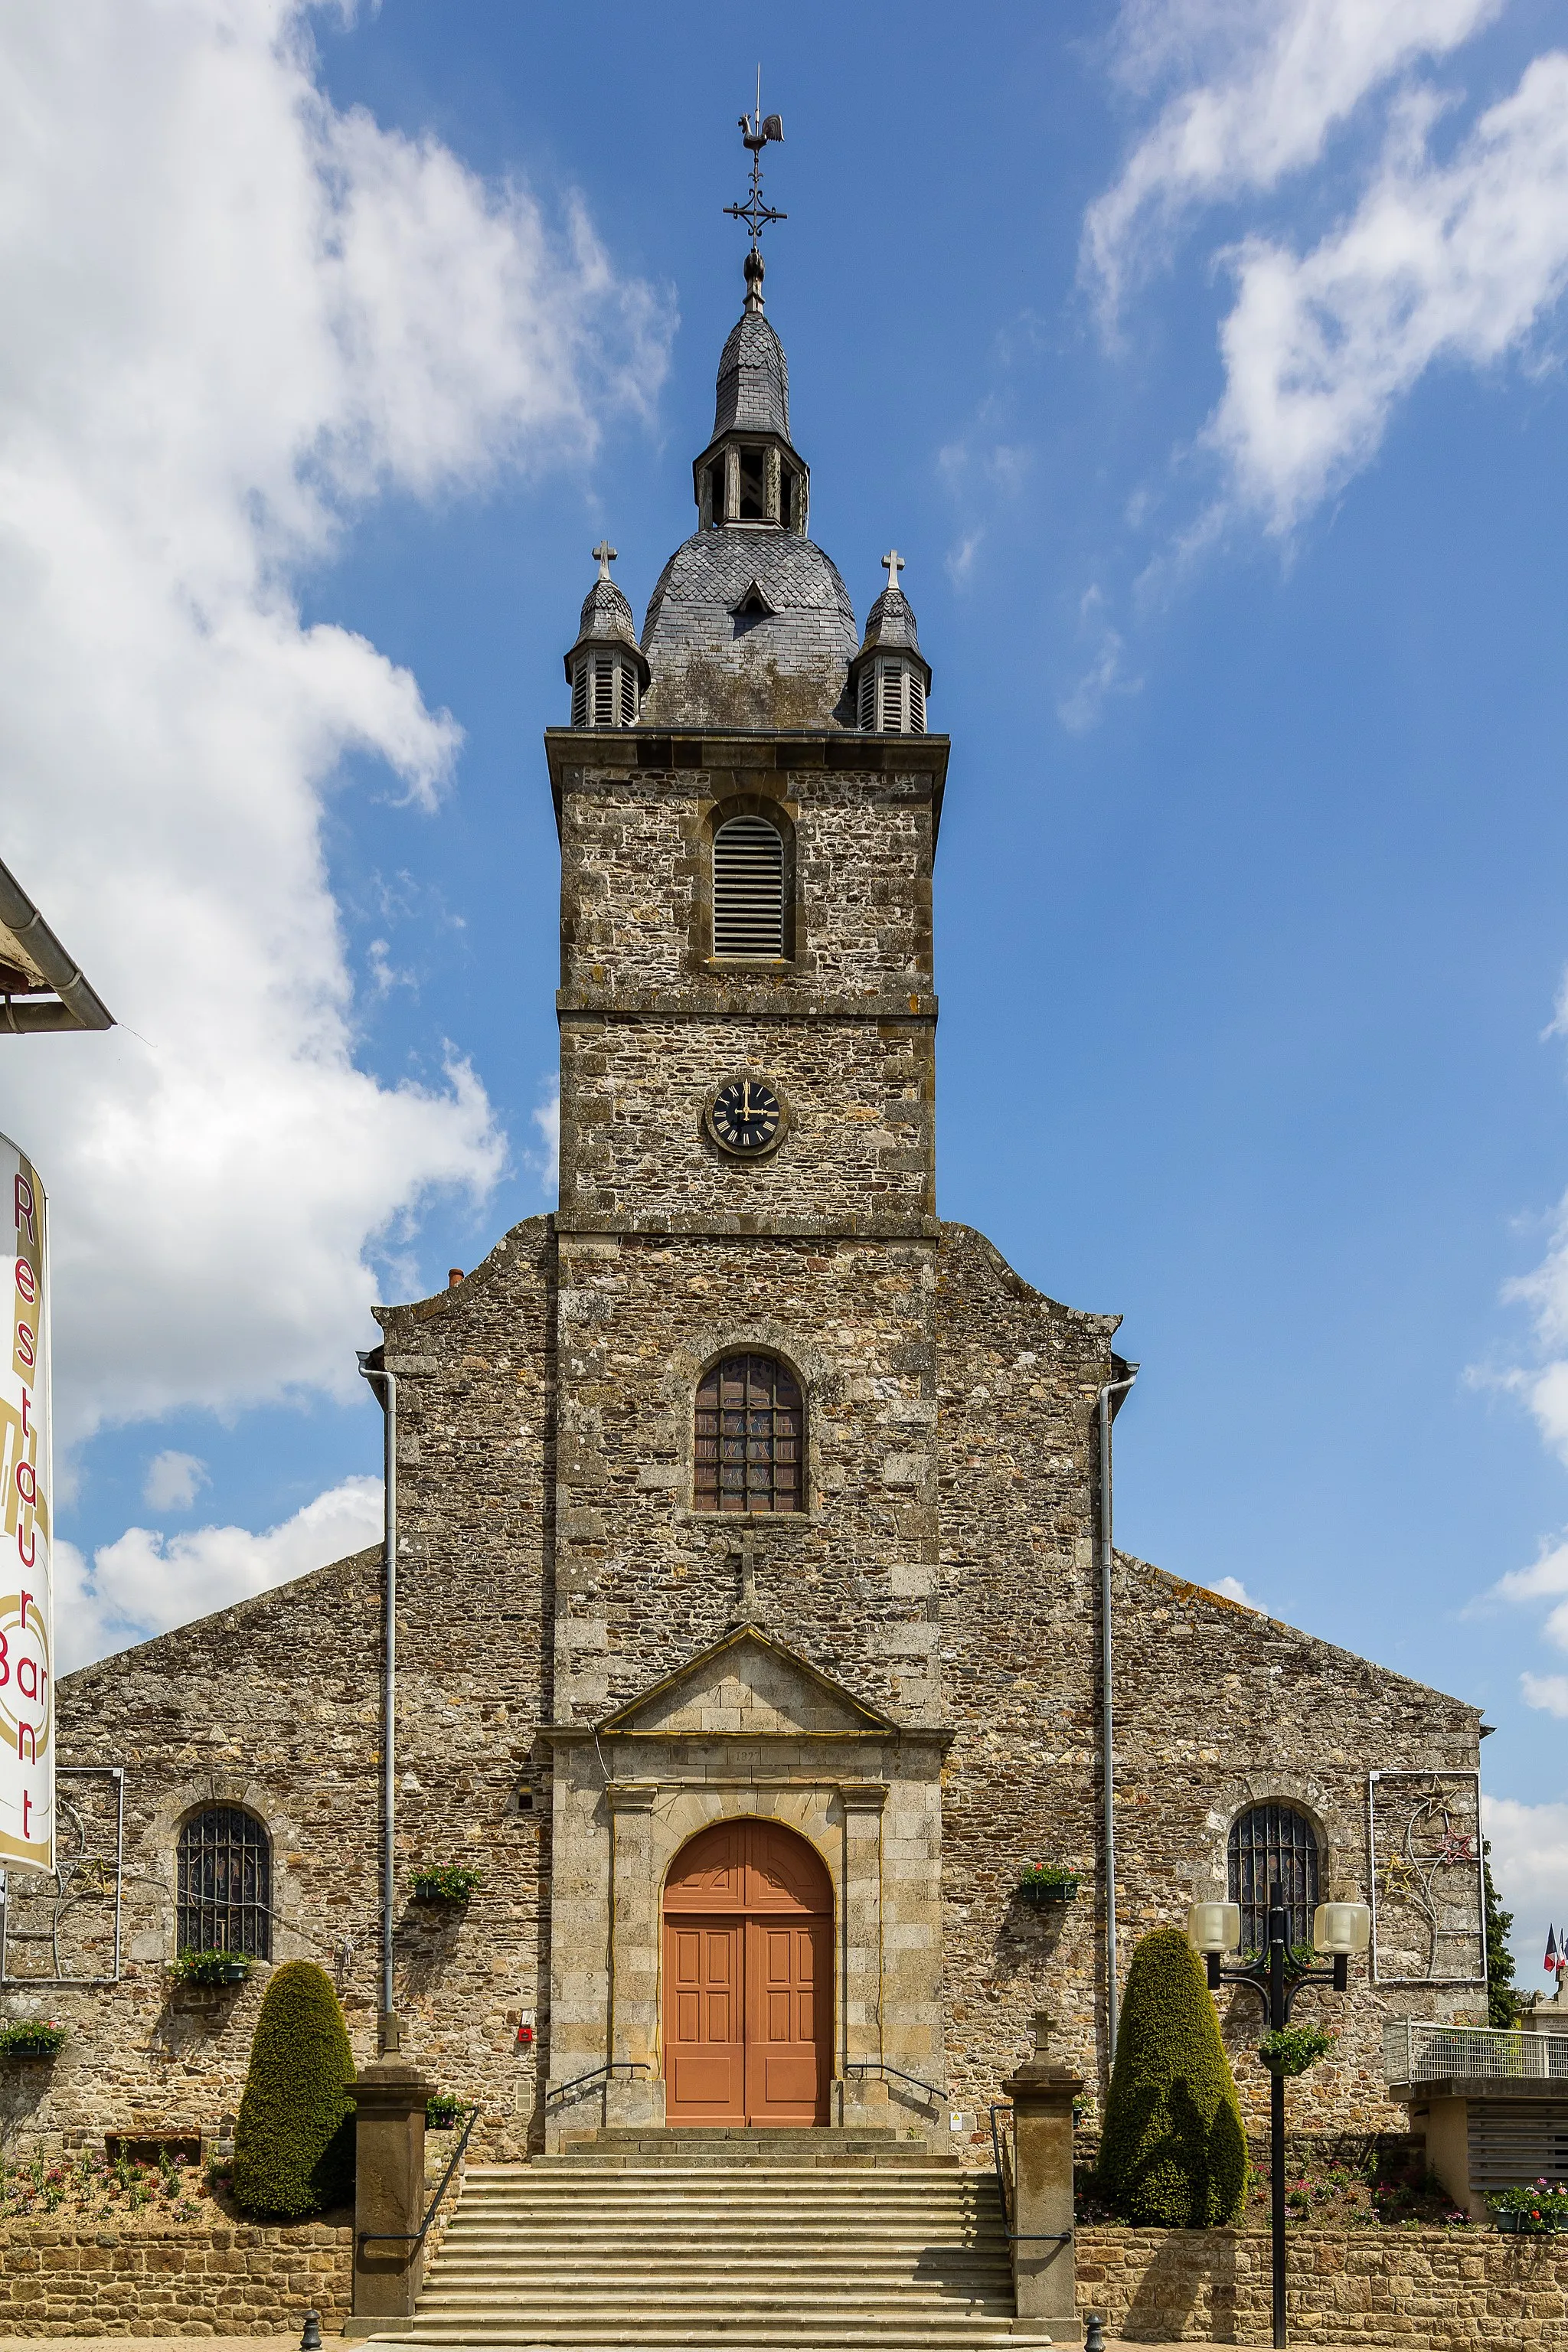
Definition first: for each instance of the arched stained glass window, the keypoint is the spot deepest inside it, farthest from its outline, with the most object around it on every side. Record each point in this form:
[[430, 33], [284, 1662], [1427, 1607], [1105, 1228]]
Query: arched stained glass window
[[224, 1895], [750, 1437], [1269, 1845]]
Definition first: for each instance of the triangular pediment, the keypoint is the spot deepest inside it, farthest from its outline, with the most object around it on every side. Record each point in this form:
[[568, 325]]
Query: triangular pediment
[[747, 1685]]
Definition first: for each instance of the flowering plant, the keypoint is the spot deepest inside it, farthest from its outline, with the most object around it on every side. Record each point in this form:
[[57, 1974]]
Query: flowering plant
[[448, 1883], [1294, 2048], [31, 2037], [1534, 2209], [211, 1968], [1047, 1882]]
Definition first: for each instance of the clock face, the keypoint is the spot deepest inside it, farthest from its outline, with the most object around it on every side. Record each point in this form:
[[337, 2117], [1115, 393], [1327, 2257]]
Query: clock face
[[745, 1116]]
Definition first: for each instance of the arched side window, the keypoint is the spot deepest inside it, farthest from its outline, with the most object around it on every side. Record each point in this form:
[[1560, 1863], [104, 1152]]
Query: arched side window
[[748, 888], [223, 1894], [750, 1437], [1273, 1844]]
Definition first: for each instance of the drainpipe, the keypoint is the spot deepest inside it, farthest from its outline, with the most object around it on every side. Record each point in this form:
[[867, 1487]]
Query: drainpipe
[[388, 2036], [1117, 1390]]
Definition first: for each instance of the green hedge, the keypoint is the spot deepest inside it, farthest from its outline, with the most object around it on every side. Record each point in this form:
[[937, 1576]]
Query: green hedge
[[294, 2142], [1173, 2153]]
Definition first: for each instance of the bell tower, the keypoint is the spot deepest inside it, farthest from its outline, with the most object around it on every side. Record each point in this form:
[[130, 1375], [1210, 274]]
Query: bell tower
[[747, 1226]]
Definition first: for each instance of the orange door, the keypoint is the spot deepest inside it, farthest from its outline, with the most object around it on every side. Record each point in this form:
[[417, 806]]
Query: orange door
[[787, 1963], [705, 2056], [748, 1978]]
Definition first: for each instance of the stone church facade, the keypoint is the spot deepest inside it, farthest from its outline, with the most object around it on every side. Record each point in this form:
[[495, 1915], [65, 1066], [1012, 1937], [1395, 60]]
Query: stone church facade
[[748, 1623]]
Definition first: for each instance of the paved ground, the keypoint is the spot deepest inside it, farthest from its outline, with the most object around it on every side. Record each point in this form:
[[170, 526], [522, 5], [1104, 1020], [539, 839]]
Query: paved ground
[[290, 2344]]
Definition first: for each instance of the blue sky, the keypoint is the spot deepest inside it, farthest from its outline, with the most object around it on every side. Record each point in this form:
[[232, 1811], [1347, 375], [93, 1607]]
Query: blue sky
[[1204, 361]]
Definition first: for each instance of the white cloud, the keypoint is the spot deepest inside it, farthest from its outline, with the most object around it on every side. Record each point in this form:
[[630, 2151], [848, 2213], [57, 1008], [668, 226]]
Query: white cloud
[[1530, 1866], [231, 313], [1265, 83], [1547, 1692], [1105, 675], [173, 1481], [1233, 1589], [1458, 261], [145, 1582]]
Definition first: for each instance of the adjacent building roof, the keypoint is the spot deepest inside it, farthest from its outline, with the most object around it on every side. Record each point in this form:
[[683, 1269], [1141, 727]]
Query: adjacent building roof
[[41, 986]]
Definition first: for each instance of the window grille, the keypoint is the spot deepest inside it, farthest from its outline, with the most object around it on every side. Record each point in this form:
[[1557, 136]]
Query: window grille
[[224, 1887], [917, 706], [1269, 1843], [750, 1437], [604, 694], [579, 694], [867, 712], [628, 695], [748, 888]]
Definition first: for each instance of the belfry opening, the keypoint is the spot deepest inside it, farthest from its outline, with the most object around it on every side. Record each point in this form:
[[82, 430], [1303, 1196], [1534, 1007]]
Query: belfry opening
[[748, 1978]]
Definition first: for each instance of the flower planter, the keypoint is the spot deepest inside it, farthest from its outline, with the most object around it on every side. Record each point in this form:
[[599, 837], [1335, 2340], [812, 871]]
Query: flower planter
[[211, 1969], [1046, 1893], [21, 2043], [446, 1889]]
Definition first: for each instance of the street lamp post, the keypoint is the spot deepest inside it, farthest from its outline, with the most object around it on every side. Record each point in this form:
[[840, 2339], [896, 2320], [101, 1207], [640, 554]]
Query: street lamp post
[[1338, 1930]]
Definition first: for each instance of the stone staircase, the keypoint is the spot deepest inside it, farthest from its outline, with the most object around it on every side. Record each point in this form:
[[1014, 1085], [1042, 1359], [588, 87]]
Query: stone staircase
[[756, 2241]]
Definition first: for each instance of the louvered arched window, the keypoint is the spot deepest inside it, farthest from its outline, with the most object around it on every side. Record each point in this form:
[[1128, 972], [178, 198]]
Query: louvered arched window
[[750, 1437], [1269, 1845], [224, 1887], [748, 888]]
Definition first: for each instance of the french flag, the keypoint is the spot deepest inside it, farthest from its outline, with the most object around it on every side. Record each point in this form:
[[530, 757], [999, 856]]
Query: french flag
[[1552, 1951]]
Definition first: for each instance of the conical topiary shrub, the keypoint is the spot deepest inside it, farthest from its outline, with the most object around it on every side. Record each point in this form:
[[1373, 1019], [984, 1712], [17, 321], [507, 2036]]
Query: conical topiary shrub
[[294, 2142], [1174, 2152]]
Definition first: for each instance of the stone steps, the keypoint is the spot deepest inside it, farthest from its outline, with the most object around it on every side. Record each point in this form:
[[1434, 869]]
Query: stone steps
[[672, 2249]]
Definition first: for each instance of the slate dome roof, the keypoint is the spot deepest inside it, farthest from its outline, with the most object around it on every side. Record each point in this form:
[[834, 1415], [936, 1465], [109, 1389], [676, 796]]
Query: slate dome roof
[[891, 624], [605, 614], [722, 655]]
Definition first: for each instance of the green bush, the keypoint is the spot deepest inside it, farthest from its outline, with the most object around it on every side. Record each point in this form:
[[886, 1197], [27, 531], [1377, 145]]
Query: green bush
[[1173, 2153], [294, 2141]]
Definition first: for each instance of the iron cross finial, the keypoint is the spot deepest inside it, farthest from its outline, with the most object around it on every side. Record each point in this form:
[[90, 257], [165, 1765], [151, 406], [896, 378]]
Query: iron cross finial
[[605, 555], [892, 564]]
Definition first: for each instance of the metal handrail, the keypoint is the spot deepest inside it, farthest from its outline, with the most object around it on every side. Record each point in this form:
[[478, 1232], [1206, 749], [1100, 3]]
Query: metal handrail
[[1003, 2190], [401, 2237], [879, 2066], [599, 2073]]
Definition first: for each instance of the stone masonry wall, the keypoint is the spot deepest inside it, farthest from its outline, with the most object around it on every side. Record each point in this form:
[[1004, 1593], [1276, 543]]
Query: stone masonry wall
[[275, 1706], [232, 2279], [1428, 2290], [643, 1581], [1217, 1706]]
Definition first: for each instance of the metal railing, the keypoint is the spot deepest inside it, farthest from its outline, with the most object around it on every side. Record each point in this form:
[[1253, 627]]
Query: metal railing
[[401, 2237], [1416, 2052], [895, 2074], [605, 2074]]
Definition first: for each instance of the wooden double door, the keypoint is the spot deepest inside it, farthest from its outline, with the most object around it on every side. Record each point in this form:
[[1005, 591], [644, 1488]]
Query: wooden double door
[[748, 1978]]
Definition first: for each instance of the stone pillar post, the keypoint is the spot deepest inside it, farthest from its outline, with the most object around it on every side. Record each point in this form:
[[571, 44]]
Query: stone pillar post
[[635, 1930], [862, 2097], [389, 2192], [1043, 2277]]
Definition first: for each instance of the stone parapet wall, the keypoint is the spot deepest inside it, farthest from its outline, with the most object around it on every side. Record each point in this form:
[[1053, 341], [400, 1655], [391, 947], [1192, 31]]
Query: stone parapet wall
[[1429, 2290], [233, 2279]]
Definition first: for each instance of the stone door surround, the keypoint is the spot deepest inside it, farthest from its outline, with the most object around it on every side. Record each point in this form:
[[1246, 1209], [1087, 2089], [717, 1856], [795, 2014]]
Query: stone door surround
[[746, 1731]]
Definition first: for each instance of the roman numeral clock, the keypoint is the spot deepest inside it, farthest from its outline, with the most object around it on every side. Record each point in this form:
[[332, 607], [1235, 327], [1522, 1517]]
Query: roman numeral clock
[[746, 1119]]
